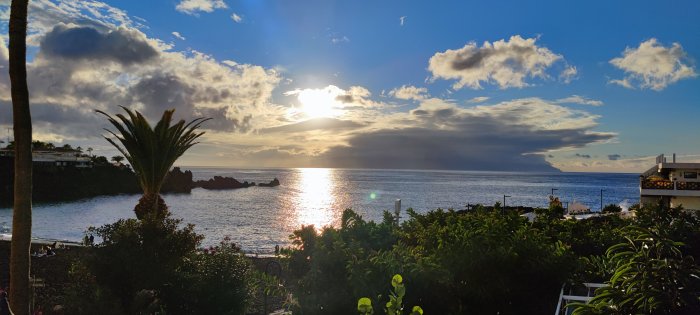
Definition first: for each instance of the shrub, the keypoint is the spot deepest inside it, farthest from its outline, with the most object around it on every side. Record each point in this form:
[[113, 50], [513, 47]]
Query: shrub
[[155, 264], [612, 208], [211, 281], [651, 276], [140, 255], [481, 262]]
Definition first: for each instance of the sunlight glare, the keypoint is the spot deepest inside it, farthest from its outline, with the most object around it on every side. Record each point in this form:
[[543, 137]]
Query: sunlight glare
[[315, 201], [319, 103]]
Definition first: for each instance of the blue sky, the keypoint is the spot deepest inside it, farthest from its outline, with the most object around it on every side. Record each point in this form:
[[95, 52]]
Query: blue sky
[[507, 85]]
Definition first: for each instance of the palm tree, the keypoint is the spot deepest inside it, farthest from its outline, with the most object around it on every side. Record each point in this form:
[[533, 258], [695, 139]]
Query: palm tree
[[152, 152], [22, 120]]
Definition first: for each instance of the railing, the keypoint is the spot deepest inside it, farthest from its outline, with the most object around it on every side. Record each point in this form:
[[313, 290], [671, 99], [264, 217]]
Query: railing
[[669, 185], [657, 184], [688, 185]]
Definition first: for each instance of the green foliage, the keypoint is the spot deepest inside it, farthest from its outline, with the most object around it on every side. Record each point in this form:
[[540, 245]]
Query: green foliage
[[211, 281], [135, 255], [651, 276], [395, 304], [155, 265], [84, 296], [364, 306], [481, 262], [612, 208]]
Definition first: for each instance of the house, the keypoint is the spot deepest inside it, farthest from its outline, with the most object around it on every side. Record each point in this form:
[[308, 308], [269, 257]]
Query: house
[[50, 158], [672, 183]]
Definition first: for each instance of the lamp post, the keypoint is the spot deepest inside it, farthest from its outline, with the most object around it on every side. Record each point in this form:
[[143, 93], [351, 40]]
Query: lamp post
[[504, 204], [601, 199]]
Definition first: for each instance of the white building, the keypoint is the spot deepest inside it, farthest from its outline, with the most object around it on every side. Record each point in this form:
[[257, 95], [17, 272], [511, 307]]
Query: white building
[[672, 183], [71, 158]]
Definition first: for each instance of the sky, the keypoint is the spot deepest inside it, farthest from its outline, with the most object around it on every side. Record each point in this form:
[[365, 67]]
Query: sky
[[592, 86]]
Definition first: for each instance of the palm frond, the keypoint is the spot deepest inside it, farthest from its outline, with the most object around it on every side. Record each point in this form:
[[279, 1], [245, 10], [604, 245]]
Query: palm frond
[[152, 151]]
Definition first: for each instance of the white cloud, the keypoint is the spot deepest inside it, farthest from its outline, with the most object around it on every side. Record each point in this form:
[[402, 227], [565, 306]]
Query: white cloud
[[479, 99], [178, 35], [402, 20], [193, 7], [111, 64], [569, 74], [236, 18], [340, 39], [504, 63], [409, 92], [577, 99], [653, 66]]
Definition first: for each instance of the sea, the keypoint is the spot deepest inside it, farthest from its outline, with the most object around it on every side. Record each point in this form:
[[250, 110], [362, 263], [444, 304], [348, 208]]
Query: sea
[[259, 218]]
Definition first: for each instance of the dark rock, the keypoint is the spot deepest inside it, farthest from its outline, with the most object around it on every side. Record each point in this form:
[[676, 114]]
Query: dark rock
[[178, 181], [273, 183], [219, 182]]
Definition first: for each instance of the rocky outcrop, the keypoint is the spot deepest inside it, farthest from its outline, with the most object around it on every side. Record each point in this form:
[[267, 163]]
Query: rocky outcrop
[[273, 183], [219, 182], [178, 181]]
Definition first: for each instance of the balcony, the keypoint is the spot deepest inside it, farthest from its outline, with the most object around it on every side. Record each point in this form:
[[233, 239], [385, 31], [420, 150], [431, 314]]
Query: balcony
[[657, 184], [664, 187]]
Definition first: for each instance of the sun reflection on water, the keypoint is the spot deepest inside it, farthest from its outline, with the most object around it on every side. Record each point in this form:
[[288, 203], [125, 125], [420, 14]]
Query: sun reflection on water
[[315, 201]]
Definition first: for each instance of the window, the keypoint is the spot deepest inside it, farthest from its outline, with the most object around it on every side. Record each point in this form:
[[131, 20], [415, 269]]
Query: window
[[690, 175]]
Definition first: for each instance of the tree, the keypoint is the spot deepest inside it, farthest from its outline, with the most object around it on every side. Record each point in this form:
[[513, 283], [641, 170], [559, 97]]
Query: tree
[[118, 159], [152, 152], [22, 120]]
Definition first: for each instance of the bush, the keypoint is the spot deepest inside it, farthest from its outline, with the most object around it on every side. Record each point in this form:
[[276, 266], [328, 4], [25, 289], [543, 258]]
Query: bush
[[481, 262], [155, 265], [612, 208], [211, 281], [651, 276]]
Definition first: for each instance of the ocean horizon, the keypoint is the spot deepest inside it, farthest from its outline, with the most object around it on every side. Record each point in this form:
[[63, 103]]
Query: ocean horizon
[[259, 218]]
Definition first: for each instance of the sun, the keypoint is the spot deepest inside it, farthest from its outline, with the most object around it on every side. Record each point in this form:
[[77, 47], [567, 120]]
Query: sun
[[317, 103]]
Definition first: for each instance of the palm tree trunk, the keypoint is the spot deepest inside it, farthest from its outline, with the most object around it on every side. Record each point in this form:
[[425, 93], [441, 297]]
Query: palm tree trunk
[[22, 213], [151, 206]]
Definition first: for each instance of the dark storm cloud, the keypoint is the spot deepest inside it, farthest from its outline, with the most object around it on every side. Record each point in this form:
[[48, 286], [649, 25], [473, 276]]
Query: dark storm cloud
[[58, 119], [473, 141], [87, 43], [614, 157], [314, 124]]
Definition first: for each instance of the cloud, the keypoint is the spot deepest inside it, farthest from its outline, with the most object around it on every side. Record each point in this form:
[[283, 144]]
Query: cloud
[[249, 129], [503, 63], [178, 35], [584, 156], [237, 18], [193, 7], [569, 74], [614, 157], [84, 63], [409, 92], [478, 99], [653, 66], [576, 99], [510, 135], [402, 20], [337, 39], [120, 45], [322, 123]]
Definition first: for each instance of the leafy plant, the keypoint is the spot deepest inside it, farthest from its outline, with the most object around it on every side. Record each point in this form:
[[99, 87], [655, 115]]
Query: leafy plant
[[395, 304], [651, 276]]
